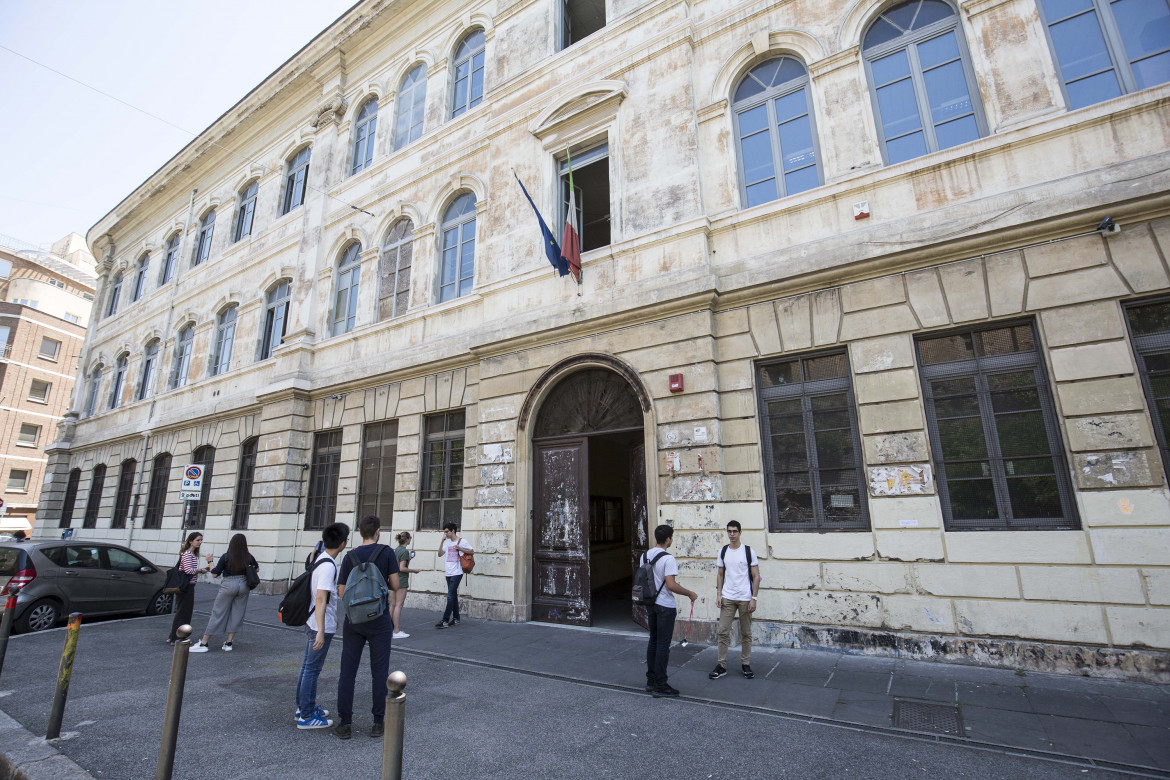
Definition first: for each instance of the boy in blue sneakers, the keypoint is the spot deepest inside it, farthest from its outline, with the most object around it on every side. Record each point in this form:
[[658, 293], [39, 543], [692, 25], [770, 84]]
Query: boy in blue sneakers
[[320, 628]]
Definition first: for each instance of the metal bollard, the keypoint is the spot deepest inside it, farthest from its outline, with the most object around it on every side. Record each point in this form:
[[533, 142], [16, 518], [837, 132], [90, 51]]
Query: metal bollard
[[6, 622], [395, 724], [64, 674], [170, 730]]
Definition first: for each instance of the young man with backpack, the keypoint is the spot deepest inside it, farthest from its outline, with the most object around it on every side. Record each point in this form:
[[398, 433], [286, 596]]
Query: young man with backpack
[[320, 625], [661, 613], [451, 550], [369, 574], [737, 584]]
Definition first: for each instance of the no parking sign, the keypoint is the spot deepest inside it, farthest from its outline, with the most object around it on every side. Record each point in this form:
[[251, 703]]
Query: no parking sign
[[192, 487]]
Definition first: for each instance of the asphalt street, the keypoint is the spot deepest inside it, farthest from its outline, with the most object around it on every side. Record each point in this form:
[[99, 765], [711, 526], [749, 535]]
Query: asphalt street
[[471, 717]]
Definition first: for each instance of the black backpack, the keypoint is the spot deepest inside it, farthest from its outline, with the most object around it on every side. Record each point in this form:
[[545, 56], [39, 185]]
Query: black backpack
[[644, 591], [298, 602]]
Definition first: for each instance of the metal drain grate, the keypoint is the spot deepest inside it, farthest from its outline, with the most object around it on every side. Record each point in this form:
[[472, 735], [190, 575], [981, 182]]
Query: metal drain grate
[[932, 718]]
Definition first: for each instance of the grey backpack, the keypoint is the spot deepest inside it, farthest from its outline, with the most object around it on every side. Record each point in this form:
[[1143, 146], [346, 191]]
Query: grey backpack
[[366, 593], [644, 591]]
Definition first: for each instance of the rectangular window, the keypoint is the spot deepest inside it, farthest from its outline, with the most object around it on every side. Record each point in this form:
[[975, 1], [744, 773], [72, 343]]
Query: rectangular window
[[70, 501], [73, 318], [50, 348], [29, 436], [580, 19], [247, 475], [18, 481], [156, 497], [813, 472], [38, 391], [1149, 328], [5, 268], [379, 457], [323, 480], [97, 483], [122, 497], [442, 474], [590, 177], [27, 302], [997, 447], [57, 283]]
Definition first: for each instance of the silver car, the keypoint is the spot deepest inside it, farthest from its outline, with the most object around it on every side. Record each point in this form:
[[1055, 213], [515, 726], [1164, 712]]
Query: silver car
[[62, 576]]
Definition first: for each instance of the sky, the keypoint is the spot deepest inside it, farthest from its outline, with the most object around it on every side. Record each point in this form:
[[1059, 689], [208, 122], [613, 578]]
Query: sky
[[68, 155]]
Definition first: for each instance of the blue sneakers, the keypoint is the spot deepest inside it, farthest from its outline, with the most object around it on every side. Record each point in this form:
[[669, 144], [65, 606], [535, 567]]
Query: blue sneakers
[[314, 722], [319, 712]]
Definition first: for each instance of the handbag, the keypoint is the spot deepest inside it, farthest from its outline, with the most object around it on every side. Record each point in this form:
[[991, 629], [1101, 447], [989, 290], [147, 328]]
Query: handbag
[[252, 576], [178, 581], [466, 561]]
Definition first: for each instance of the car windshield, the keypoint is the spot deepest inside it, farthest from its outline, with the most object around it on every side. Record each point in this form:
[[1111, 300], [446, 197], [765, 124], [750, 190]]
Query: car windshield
[[10, 561]]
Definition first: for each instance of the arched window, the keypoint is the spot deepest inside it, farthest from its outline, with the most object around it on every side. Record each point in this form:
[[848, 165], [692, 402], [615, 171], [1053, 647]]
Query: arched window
[[225, 335], [458, 236], [580, 19], [70, 502], [115, 291], [774, 125], [411, 103], [349, 271], [119, 383], [149, 369], [140, 277], [467, 73], [203, 243], [921, 80], [244, 480], [1106, 48], [246, 211], [168, 269], [275, 318], [182, 362], [197, 511], [93, 502], [363, 136], [122, 496], [95, 381], [397, 253], [156, 497], [295, 179]]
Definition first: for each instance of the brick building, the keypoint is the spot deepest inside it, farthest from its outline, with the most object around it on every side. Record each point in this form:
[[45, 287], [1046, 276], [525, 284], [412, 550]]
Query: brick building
[[884, 281]]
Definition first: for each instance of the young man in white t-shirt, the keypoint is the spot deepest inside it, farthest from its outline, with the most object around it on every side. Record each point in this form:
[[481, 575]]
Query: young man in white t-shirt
[[662, 612], [737, 584], [453, 544], [320, 628]]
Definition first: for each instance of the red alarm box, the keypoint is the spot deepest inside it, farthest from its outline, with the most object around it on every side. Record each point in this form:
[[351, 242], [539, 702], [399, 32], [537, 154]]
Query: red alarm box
[[676, 383]]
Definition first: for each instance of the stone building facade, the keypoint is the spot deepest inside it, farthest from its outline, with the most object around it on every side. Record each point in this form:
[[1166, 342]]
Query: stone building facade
[[847, 278]]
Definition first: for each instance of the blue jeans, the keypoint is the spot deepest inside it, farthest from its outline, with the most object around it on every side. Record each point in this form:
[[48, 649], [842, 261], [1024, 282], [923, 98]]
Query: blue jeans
[[661, 621], [310, 671], [452, 610], [353, 639]]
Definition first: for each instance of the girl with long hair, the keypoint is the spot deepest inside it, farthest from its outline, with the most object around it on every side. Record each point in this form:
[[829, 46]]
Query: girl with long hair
[[404, 572], [188, 564], [227, 615]]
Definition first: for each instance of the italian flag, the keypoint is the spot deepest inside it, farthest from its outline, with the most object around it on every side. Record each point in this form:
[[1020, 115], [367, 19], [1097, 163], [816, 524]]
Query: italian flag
[[571, 243]]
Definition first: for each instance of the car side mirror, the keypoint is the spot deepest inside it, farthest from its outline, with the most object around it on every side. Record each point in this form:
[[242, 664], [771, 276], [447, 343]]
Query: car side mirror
[[145, 569]]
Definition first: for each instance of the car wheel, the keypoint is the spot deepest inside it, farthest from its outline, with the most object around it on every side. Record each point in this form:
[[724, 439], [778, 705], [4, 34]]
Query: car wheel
[[160, 604], [40, 616]]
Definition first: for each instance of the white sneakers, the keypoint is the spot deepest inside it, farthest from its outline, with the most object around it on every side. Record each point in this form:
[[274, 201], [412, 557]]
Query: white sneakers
[[400, 635], [198, 647]]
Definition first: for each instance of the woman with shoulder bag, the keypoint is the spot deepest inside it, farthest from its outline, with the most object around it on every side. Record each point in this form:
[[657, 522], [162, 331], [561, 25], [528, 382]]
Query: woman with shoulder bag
[[227, 615], [189, 565]]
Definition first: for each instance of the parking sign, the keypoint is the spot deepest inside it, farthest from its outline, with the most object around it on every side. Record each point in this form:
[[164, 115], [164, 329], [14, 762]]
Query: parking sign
[[192, 487]]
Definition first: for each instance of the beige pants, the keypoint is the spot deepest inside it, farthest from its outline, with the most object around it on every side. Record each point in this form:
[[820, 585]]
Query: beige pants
[[726, 615]]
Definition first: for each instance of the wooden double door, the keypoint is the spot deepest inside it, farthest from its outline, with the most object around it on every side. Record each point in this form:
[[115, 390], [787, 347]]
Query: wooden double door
[[561, 587]]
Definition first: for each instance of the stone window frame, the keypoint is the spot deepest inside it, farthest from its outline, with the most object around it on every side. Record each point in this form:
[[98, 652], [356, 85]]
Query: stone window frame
[[445, 496], [203, 239], [150, 355], [93, 502], [468, 58], [91, 396], [245, 479], [806, 391], [118, 386], [909, 42], [768, 98], [565, 26], [594, 150], [115, 293], [324, 473], [375, 497], [347, 274], [246, 210], [1122, 66], [181, 363], [156, 496], [361, 147], [980, 368], [140, 278], [296, 179], [123, 493], [406, 112], [1146, 345], [457, 223], [276, 309], [225, 337], [399, 243], [170, 259], [69, 503]]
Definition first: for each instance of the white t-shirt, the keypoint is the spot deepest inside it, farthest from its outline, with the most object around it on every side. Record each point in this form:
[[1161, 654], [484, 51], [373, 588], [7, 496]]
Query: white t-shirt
[[737, 579], [451, 555], [325, 578], [664, 566]]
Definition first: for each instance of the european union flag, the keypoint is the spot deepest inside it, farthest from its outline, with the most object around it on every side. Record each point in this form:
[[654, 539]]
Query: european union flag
[[552, 250]]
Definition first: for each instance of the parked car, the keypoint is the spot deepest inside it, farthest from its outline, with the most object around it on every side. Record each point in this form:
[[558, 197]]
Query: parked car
[[57, 577]]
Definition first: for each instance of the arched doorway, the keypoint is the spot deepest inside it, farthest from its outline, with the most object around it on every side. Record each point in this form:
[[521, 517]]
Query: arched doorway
[[588, 497]]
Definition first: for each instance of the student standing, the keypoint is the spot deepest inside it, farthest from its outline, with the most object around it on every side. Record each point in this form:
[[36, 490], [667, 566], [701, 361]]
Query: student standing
[[661, 614], [737, 584], [449, 550], [231, 603], [320, 628], [378, 632], [402, 554], [188, 564]]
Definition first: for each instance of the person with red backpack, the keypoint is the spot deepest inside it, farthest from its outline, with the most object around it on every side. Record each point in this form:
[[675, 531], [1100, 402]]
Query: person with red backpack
[[736, 586]]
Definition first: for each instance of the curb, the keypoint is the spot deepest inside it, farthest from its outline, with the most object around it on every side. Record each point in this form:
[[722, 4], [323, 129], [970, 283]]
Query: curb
[[28, 757]]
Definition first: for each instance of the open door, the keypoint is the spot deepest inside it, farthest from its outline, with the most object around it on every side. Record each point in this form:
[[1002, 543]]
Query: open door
[[560, 548]]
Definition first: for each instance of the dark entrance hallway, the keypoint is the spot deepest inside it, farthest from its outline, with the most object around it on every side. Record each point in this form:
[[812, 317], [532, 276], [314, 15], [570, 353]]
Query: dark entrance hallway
[[611, 507]]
